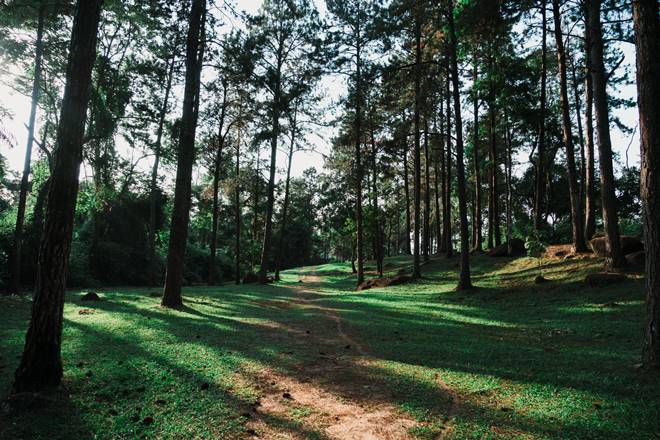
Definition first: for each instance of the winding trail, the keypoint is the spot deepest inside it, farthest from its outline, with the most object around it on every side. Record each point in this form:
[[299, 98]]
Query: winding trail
[[332, 398]]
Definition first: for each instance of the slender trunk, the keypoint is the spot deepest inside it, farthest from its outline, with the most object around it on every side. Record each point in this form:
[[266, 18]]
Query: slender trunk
[[576, 204], [477, 236], [358, 157], [427, 194], [494, 172], [220, 141], [464, 282], [285, 207], [378, 233], [237, 212], [590, 167], [153, 185], [182, 192], [509, 194], [540, 162], [406, 186], [449, 247], [647, 40], [22, 195], [436, 192], [578, 117], [607, 190], [416, 148], [41, 362], [270, 200], [257, 195]]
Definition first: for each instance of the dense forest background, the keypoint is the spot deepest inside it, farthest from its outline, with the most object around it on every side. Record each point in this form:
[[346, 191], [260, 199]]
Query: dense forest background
[[263, 103]]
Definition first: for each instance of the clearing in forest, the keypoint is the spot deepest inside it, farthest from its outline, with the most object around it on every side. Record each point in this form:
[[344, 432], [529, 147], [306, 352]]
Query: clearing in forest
[[310, 357]]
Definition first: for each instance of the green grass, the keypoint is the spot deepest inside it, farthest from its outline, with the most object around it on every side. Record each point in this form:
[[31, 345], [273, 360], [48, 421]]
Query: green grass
[[549, 361]]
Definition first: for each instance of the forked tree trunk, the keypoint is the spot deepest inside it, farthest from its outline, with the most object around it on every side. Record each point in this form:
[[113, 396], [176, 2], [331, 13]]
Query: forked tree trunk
[[41, 362], [607, 188], [647, 40], [15, 275], [182, 192], [579, 243], [464, 282]]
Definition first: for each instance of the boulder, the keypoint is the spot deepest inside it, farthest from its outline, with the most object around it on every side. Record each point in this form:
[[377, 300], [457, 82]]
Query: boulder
[[518, 247], [604, 279], [629, 245], [636, 259], [90, 296]]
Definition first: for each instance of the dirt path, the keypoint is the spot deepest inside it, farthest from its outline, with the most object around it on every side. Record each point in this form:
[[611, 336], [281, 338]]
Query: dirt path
[[331, 398]]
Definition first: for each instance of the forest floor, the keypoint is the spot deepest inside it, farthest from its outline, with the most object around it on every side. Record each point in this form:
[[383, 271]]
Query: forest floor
[[311, 358]]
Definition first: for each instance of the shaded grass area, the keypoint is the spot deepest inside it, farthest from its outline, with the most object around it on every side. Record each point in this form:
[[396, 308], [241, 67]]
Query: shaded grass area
[[548, 361]]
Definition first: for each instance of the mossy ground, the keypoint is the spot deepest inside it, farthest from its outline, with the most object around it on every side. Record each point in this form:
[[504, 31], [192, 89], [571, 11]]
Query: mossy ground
[[548, 361]]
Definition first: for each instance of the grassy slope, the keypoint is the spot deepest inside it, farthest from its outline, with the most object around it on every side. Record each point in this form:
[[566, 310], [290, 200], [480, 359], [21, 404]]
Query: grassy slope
[[552, 361]]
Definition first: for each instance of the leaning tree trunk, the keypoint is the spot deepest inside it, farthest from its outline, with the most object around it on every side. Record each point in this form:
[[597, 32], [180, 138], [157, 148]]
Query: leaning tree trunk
[[464, 282], [182, 191], [540, 162], [647, 40], [607, 190], [576, 204], [22, 195], [41, 363]]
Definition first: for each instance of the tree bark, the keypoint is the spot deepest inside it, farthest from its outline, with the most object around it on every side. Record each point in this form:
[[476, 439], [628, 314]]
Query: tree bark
[[615, 257], [590, 167], [15, 284], [217, 163], [41, 362], [447, 234], [378, 232], [182, 192], [579, 243], [509, 194], [416, 273], [406, 187], [477, 237], [494, 187], [359, 236], [464, 282], [647, 41], [426, 249], [285, 207], [237, 211], [540, 163], [153, 185]]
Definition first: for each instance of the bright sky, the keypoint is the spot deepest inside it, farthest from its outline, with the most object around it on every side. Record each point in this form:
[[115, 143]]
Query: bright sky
[[19, 107]]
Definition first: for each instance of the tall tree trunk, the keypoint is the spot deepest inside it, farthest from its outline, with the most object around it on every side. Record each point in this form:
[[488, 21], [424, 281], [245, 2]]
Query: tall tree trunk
[[494, 172], [464, 282], [285, 207], [406, 187], [270, 200], [359, 236], [416, 273], [578, 117], [22, 195], [153, 185], [182, 191], [447, 234], [540, 162], [607, 190], [237, 212], [576, 204], [378, 232], [217, 163], [477, 234], [647, 40], [509, 194], [427, 194], [436, 191], [41, 362], [590, 167]]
